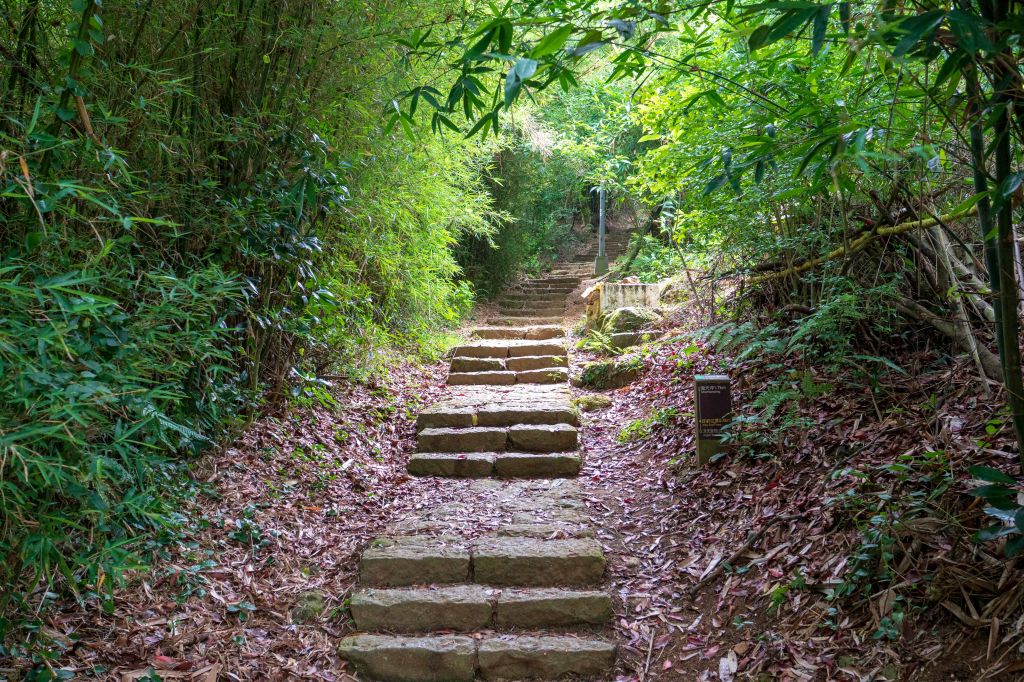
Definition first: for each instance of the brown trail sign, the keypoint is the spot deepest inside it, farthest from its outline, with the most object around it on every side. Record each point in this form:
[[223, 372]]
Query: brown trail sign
[[713, 400]]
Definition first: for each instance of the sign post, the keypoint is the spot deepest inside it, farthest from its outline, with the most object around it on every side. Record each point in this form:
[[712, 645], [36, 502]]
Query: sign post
[[713, 399]]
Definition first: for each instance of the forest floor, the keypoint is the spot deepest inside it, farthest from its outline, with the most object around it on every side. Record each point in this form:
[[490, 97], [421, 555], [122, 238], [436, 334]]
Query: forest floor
[[720, 573]]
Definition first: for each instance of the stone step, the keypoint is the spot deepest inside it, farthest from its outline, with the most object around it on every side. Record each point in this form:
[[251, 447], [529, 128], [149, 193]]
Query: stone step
[[460, 364], [521, 437], [495, 464], [502, 378], [500, 406], [513, 348], [461, 658], [524, 319], [535, 333], [549, 375], [529, 362], [498, 561], [532, 310], [465, 608]]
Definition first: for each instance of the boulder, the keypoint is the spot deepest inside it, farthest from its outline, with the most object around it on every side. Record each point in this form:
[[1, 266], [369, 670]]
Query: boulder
[[630, 319]]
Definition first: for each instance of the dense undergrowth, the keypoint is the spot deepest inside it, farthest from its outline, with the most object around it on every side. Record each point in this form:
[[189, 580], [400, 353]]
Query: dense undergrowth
[[206, 209]]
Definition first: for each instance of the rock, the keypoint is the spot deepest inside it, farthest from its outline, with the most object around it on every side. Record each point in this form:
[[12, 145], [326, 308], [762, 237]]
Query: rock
[[309, 607], [551, 607], [399, 562], [411, 659], [514, 657], [542, 437], [611, 373], [463, 608], [538, 563], [462, 440], [591, 402], [630, 319]]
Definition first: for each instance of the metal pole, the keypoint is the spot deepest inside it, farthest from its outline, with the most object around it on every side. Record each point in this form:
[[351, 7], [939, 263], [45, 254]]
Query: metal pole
[[601, 264]]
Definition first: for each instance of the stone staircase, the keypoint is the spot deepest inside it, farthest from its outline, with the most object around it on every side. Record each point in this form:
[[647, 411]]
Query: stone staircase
[[504, 581], [542, 300]]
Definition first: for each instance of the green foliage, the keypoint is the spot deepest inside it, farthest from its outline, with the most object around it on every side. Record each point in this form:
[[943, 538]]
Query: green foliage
[[200, 207], [538, 191], [613, 373], [639, 429]]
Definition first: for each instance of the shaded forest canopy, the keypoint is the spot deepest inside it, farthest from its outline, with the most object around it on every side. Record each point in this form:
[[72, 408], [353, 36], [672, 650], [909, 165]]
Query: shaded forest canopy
[[211, 210]]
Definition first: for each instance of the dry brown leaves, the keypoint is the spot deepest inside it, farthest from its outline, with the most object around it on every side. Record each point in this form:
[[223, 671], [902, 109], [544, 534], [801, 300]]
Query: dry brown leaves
[[723, 572], [254, 589]]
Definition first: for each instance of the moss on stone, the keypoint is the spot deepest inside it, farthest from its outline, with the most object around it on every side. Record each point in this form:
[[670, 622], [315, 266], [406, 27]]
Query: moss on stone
[[590, 402]]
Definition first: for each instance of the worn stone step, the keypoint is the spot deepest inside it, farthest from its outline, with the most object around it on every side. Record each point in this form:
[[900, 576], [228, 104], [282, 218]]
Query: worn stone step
[[516, 657], [533, 311], [500, 561], [502, 378], [527, 562], [495, 464], [492, 348], [462, 608], [476, 365], [403, 561], [500, 406], [549, 375], [461, 658], [528, 362], [558, 437], [537, 297], [525, 320], [541, 438], [465, 608], [431, 658], [533, 333], [474, 439]]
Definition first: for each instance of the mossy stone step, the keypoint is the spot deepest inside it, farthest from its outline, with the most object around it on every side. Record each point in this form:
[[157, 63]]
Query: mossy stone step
[[465, 608]]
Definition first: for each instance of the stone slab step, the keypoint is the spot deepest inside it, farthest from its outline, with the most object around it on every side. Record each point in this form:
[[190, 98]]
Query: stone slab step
[[504, 348], [500, 561], [414, 560], [528, 362], [465, 608], [534, 333], [460, 658], [532, 311], [502, 378], [522, 320], [500, 406], [459, 364], [557, 437], [550, 375], [527, 562], [495, 464]]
